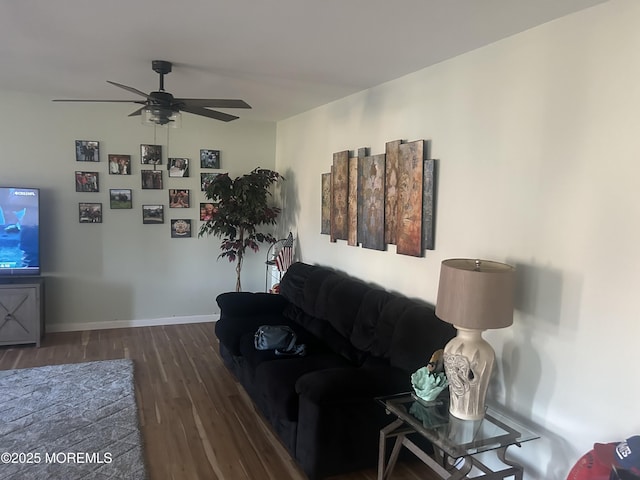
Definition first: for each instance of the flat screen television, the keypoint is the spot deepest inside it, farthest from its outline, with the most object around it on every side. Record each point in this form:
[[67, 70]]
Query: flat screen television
[[19, 231]]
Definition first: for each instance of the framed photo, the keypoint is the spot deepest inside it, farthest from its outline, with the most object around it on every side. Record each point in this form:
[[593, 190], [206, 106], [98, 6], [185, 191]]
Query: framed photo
[[179, 198], [209, 158], [90, 212], [206, 179], [180, 228], [119, 164], [87, 151], [151, 154], [120, 198], [178, 167], [152, 214], [207, 210], [87, 182], [151, 179]]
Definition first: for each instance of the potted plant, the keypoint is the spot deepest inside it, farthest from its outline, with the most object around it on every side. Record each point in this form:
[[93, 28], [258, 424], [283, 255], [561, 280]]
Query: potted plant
[[239, 207]]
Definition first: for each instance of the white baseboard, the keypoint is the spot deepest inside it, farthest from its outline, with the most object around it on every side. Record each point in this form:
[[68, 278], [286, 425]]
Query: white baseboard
[[151, 322]]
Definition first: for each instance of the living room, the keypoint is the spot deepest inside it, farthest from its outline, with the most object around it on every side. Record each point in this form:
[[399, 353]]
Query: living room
[[535, 137]]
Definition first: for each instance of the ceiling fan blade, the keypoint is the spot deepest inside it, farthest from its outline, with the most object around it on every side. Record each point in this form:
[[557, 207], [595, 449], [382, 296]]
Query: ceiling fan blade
[[130, 89], [225, 117], [91, 100], [137, 112], [212, 102]]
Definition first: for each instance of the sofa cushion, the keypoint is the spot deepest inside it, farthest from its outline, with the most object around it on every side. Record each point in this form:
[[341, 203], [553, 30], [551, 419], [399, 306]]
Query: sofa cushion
[[316, 290], [343, 304], [293, 282], [254, 357], [276, 380], [236, 304], [375, 323], [324, 332], [230, 329], [363, 334], [340, 386], [418, 333]]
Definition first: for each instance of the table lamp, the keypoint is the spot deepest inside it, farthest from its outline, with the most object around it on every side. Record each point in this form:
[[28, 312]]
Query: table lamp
[[473, 295]]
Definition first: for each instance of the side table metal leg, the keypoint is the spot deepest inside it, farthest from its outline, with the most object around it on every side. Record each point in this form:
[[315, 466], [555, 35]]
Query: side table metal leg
[[384, 471], [462, 472], [519, 469]]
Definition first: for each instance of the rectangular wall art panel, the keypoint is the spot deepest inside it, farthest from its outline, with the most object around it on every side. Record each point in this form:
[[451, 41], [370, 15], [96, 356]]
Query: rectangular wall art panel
[[373, 173], [340, 196], [410, 198], [353, 202], [428, 206], [391, 191], [325, 227], [362, 152]]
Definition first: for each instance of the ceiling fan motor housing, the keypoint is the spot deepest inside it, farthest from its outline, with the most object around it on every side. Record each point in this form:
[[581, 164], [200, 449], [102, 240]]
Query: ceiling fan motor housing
[[161, 98], [161, 66]]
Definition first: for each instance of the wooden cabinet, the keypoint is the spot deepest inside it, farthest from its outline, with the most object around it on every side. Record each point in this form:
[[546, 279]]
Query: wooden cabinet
[[21, 311]]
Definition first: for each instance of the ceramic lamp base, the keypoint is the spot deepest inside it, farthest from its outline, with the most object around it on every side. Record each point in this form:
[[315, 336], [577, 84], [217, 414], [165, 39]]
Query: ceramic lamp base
[[468, 362]]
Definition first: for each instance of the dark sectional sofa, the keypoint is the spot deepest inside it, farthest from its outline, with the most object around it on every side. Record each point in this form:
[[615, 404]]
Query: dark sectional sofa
[[362, 342]]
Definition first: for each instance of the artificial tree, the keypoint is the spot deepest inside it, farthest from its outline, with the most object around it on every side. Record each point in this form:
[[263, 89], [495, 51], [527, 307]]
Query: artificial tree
[[240, 207]]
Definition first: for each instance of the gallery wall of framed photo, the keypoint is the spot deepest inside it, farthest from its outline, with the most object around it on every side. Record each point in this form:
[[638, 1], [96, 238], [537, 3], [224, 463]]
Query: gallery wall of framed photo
[[99, 173]]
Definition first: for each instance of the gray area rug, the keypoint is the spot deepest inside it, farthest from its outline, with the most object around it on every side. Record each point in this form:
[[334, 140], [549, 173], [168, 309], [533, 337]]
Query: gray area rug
[[68, 422]]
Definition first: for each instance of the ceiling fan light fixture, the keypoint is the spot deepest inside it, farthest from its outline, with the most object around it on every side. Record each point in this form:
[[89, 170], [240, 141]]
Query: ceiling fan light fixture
[[154, 115], [161, 108]]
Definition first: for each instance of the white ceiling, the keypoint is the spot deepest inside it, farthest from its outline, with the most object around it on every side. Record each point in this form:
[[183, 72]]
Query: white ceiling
[[281, 56]]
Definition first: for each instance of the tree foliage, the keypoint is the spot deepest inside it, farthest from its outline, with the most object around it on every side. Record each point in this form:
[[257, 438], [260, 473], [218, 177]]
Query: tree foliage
[[240, 207]]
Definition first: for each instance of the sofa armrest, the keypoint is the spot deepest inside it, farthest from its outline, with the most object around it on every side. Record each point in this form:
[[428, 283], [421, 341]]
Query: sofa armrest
[[348, 385], [240, 304], [339, 420]]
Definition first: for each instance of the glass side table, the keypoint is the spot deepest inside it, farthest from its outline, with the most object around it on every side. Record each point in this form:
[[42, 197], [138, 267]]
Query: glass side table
[[451, 438]]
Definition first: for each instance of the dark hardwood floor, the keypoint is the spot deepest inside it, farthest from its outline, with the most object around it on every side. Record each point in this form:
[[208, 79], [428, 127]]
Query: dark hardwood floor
[[197, 422]]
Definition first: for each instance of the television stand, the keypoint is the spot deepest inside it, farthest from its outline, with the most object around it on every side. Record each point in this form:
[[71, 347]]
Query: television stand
[[21, 310]]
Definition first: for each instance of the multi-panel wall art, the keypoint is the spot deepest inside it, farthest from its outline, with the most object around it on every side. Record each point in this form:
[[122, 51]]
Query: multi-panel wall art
[[377, 200]]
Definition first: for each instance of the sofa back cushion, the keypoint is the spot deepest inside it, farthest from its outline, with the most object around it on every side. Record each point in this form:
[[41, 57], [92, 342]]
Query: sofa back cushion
[[369, 325], [293, 282], [326, 333], [325, 294], [343, 301], [358, 320], [417, 334], [404, 331], [326, 303]]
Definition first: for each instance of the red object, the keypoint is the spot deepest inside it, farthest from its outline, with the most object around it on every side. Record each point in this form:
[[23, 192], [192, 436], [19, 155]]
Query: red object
[[589, 467]]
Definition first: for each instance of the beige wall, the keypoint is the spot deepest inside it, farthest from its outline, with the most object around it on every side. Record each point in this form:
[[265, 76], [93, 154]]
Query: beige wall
[[539, 161], [122, 270]]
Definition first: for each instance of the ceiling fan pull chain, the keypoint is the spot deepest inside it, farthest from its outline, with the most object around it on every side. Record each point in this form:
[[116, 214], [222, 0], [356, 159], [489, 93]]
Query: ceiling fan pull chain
[[167, 146]]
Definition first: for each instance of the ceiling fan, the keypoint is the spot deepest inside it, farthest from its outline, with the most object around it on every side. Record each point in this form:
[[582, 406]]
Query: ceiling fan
[[161, 108]]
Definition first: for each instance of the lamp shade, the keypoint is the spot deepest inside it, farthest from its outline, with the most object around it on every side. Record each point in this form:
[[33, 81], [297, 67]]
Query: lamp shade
[[476, 294]]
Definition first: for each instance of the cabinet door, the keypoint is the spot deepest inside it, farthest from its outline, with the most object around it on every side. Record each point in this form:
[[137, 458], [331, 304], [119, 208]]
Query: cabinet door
[[19, 315]]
